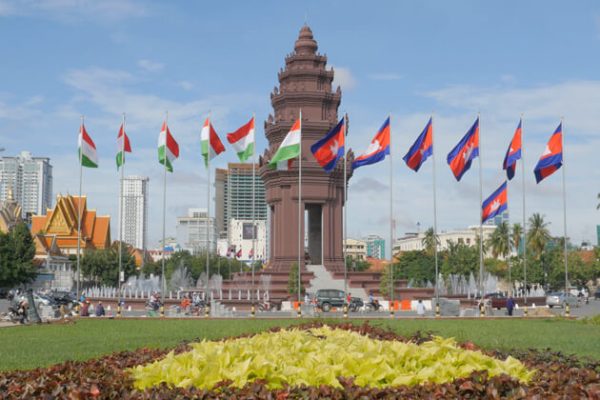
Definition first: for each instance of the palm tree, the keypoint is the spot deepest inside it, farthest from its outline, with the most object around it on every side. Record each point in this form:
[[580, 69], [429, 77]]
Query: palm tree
[[517, 236], [429, 241], [538, 235], [499, 242]]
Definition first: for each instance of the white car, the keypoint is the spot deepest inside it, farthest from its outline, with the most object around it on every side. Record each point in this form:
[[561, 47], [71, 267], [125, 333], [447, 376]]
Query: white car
[[559, 299]]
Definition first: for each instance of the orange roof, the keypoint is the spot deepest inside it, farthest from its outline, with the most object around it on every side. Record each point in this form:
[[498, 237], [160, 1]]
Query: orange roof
[[377, 264]]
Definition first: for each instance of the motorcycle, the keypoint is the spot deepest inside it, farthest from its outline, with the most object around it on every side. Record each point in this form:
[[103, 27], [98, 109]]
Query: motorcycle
[[17, 313], [373, 306]]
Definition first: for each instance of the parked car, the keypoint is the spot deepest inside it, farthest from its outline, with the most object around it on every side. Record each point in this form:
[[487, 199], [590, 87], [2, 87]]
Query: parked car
[[328, 298], [559, 299], [497, 300], [597, 294]]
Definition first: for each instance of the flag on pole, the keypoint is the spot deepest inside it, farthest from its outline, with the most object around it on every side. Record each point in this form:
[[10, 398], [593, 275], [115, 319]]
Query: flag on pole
[[496, 204], [211, 144], [251, 254], [168, 149], [378, 149], [329, 149], [123, 146], [421, 149], [464, 152], [242, 140], [288, 149], [513, 153], [238, 254], [87, 149], [552, 157]]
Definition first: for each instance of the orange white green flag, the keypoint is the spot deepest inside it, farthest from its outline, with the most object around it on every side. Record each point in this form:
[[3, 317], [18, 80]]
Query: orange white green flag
[[242, 140], [123, 146], [87, 149], [168, 149], [211, 144]]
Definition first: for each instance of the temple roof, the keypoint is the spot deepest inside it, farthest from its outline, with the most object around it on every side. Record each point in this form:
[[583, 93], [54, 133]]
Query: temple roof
[[306, 44]]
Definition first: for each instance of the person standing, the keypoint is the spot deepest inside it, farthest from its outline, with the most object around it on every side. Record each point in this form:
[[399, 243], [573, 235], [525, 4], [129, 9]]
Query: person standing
[[420, 308], [100, 310], [510, 305]]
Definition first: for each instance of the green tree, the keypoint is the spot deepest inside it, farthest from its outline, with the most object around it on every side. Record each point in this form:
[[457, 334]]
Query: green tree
[[357, 265], [101, 267], [460, 259], [516, 236], [499, 242], [16, 257], [538, 235], [416, 266], [293, 282], [429, 241]]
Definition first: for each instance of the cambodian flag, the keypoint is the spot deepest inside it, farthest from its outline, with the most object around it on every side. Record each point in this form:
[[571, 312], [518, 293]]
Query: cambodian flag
[[496, 204], [421, 149], [330, 148], [552, 157], [378, 149], [513, 153], [465, 152]]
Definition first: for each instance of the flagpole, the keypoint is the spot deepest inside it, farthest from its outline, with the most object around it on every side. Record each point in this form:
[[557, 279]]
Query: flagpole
[[253, 203], [207, 207], [345, 207], [121, 204], [510, 285], [564, 196], [163, 278], [300, 238], [524, 215], [79, 207], [391, 224], [479, 210], [437, 293]]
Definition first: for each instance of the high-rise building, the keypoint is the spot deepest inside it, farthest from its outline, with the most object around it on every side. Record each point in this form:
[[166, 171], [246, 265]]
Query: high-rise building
[[135, 211], [30, 180], [233, 198], [191, 231], [375, 246]]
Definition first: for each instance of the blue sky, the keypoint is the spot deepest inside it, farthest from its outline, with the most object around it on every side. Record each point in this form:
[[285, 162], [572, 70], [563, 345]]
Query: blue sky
[[64, 58]]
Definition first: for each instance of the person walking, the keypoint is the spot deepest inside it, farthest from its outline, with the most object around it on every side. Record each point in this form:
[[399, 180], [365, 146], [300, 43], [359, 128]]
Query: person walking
[[420, 308], [510, 305]]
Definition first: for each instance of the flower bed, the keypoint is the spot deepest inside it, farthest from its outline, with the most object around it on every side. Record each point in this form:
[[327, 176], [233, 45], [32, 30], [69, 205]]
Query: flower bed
[[108, 377]]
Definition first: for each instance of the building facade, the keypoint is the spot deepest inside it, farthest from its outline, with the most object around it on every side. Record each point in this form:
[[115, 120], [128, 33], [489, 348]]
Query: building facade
[[233, 196], [240, 238], [30, 180], [135, 211], [375, 246], [355, 249], [414, 241], [191, 231]]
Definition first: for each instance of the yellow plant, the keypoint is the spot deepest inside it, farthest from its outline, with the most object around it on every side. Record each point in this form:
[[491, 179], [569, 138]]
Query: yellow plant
[[318, 356]]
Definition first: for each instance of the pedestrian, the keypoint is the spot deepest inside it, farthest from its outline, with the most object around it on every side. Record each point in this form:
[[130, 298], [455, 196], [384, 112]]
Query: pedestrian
[[510, 305], [100, 310], [348, 298], [85, 309], [420, 308]]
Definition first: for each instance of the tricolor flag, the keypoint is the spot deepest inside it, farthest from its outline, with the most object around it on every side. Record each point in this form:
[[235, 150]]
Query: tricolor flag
[[168, 149], [123, 146], [378, 149], [496, 204], [513, 153], [289, 148], [421, 149], [87, 149], [238, 254], [464, 152], [242, 140], [552, 157], [251, 254], [330, 148], [211, 144]]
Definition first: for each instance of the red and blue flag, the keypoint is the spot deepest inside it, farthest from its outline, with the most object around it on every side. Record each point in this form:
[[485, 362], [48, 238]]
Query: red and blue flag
[[513, 153], [421, 149], [465, 152], [552, 157], [496, 204], [378, 149], [331, 147]]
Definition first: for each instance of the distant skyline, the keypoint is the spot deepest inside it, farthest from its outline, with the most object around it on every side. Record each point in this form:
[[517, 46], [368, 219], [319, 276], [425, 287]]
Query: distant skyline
[[65, 58]]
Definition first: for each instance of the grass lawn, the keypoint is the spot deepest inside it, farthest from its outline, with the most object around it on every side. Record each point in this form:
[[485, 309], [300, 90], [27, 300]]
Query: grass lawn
[[36, 346]]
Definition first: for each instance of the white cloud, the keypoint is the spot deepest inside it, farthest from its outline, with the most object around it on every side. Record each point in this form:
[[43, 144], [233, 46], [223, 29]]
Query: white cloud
[[185, 85], [343, 77], [150, 66], [385, 77]]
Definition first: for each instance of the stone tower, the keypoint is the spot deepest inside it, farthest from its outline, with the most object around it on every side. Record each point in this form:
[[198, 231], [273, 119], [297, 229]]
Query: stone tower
[[304, 84]]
